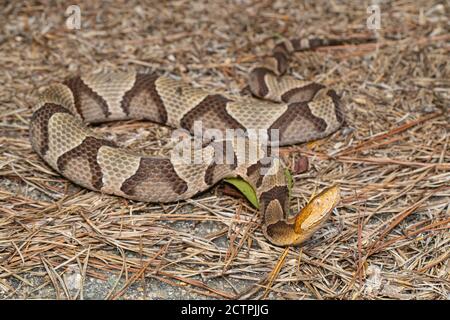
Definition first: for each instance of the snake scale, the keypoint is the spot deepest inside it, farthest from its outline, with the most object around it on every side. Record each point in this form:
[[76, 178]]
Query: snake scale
[[298, 111]]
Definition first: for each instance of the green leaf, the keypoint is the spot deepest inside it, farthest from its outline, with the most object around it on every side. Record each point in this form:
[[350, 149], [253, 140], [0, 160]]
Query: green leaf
[[245, 188], [290, 180]]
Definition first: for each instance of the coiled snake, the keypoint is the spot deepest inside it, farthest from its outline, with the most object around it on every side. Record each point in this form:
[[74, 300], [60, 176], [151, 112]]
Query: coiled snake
[[297, 111]]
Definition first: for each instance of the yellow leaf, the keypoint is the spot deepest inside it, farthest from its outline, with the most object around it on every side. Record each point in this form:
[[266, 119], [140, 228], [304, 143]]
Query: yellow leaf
[[313, 144], [290, 181]]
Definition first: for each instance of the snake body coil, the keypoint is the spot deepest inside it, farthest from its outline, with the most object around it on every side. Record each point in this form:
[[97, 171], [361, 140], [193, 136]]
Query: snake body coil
[[299, 111]]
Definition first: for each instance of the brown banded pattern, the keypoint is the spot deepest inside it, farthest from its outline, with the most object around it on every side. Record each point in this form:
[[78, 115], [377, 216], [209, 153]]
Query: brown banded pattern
[[81, 162], [142, 101], [298, 124], [157, 173], [302, 94], [39, 125], [89, 105], [212, 113]]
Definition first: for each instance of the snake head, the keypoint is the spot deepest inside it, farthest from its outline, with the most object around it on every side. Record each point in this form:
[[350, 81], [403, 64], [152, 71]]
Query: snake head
[[299, 228]]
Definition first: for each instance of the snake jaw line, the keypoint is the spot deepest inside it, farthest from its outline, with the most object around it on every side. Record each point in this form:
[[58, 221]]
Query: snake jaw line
[[299, 228], [317, 211]]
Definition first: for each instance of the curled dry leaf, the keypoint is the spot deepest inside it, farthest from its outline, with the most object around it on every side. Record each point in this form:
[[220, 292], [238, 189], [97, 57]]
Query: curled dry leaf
[[301, 165]]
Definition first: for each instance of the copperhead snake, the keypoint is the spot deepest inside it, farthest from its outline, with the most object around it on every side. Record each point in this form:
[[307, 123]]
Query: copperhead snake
[[298, 111]]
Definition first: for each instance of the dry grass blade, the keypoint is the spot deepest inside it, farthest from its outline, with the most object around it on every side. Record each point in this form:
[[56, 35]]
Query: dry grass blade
[[400, 217], [275, 272], [365, 145], [138, 274]]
